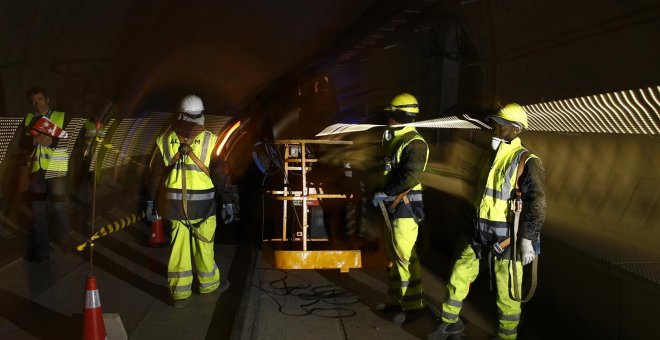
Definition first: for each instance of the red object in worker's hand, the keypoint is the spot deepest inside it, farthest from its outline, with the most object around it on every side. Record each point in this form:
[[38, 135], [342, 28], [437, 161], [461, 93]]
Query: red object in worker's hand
[[47, 127]]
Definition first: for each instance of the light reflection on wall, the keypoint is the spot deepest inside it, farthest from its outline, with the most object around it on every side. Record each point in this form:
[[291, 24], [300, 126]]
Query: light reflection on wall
[[625, 112]]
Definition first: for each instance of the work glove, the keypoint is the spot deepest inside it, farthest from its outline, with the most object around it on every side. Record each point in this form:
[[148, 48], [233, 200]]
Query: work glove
[[227, 213], [378, 197], [527, 252], [150, 212]]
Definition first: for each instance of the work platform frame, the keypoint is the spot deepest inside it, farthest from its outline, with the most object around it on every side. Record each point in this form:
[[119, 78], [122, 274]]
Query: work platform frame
[[305, 258]]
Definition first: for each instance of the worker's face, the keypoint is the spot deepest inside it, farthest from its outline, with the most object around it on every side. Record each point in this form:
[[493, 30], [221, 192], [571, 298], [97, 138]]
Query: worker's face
[[40, 103], [391, 121], [506, 132]]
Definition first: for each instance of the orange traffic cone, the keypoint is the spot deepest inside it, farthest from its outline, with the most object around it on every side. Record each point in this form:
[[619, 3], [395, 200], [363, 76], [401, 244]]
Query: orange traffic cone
[[157, 235], [94, 328]]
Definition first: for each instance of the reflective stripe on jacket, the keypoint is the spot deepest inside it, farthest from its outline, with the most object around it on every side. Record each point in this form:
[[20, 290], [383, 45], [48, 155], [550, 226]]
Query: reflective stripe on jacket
[[199, 187], [494, 208], [45, 157], [401, 140]]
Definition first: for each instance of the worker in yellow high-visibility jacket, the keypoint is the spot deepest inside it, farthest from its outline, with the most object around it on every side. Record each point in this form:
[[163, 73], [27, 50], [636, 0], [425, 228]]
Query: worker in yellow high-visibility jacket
[[401, 203], [187, 198], [494, 223], [46, 191]]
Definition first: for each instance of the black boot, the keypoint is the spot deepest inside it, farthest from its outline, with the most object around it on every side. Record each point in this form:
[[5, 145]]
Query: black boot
[[446, 329]]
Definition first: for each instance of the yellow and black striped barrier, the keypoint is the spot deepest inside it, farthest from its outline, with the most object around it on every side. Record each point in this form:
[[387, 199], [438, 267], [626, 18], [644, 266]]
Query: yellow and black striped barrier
[[111, 228]]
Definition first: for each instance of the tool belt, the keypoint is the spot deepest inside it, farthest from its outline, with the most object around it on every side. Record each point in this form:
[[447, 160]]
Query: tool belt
[[403, 197]]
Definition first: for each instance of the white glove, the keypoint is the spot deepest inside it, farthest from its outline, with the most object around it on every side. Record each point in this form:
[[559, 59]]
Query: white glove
[[378, 197], [227, 213], [527, 252], [150, 212]]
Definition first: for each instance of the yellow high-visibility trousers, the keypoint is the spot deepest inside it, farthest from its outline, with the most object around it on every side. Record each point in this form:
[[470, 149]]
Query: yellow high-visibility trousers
[[404, 279], [179, 268], [465, 272]]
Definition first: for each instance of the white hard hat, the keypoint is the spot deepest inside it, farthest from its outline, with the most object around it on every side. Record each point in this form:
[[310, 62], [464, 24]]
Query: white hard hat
[[191, 104]]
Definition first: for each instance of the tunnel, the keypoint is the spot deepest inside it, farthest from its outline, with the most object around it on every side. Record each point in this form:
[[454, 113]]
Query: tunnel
[[295, 98]]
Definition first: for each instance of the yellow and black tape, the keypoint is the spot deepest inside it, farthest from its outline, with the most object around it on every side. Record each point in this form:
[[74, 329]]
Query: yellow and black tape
[[111, 228]]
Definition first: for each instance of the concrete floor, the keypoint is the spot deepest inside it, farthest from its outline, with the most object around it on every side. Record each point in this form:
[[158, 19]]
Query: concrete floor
[[45, 300]]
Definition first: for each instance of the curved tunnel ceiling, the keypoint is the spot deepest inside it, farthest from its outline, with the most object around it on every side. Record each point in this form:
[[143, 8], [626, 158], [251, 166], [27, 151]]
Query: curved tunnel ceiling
[[135, 48]]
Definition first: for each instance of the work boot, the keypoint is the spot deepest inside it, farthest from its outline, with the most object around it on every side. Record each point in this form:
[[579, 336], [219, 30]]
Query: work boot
[[213, 295], [408, 316], [180, 303], [388, 308], [445, 329]]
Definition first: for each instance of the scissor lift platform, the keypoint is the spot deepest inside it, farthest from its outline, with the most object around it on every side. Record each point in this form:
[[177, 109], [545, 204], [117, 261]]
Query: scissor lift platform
[[299, 251], [344, 260]]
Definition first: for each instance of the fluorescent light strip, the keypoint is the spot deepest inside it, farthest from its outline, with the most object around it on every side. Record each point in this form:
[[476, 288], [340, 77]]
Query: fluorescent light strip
[[623, 108], [602, 125], [638, 114], [646, 113], [567, 118], [560, 122], [606, 124], [612, 103], [657, 115], [538, 116], [616, 114], [630, 111], [552, 123], [580, 115], [648, 102], [616, 125], [654, 97]]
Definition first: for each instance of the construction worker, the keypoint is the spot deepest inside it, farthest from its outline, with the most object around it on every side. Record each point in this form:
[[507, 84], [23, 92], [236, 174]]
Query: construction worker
[[401, 203], [513, 170], [48, 166], [192, 176]]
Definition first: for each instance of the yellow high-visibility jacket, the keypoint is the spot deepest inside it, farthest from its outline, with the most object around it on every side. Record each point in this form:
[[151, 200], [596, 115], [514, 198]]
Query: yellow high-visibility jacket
[[45, 157], [201, 192]]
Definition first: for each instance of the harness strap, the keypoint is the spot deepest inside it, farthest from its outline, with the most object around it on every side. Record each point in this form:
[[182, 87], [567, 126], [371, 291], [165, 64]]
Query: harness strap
[[517, 209], [388, 224], [512, 241], [195, 159], [184, 190], [399, 197]]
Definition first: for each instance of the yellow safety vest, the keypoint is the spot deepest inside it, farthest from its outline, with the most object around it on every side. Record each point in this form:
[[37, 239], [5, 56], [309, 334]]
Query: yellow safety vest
[[45, 157], [494, 207], [199, 187], [401, 139]]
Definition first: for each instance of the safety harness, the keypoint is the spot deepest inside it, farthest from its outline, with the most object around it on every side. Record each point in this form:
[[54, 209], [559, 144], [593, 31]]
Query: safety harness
[[512, 240], [400, 197], [185, 150]]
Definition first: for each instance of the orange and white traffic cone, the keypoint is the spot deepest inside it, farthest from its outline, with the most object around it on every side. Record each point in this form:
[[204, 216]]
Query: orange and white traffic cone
[[157, 235], [93, 328]]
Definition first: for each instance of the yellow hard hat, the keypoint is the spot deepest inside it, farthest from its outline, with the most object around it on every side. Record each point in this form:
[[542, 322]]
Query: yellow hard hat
[[511, 114], [405, 102]]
